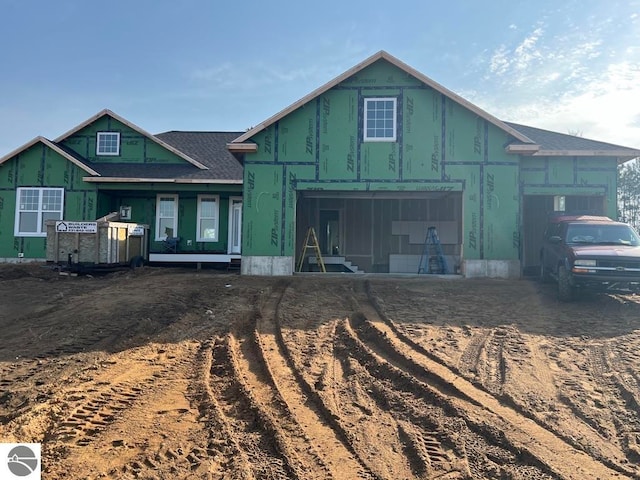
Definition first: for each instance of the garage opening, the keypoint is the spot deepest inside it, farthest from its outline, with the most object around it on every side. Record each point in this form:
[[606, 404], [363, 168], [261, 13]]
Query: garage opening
[[536, 209], [378, 232]]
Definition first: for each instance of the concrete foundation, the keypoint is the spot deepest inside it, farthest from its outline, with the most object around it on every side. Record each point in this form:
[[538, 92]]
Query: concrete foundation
[[23, 260], [267, 266], [491, 268]]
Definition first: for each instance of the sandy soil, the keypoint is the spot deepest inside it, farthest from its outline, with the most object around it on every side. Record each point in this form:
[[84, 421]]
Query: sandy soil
[[184, 374]]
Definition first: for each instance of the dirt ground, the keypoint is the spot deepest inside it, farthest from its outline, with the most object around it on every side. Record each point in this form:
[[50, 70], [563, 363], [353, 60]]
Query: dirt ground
[[173, 374]]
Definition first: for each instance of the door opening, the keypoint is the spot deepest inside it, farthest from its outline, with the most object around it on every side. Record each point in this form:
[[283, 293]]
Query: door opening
[[235, 225], [329, 234]]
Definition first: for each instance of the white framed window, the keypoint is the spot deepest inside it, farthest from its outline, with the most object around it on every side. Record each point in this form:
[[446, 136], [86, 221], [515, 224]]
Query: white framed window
[[108, 143], [166, 216], [208, 219], [380, 119], [34, 206]]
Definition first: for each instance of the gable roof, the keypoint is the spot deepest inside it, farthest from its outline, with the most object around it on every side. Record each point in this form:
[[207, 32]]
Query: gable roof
[[107, 112], [209, 160], [381, 55], [208, 148], [560, 144], [56, 148]]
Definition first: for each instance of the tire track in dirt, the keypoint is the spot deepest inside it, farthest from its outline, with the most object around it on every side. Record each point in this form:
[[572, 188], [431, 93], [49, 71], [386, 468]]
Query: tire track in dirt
[[174, 443], [469, 362], [95, 403], [273, 411], [336, 460], [34, 371], [616, 385], [587, 436], [521, 432], [422, 435], [116, 395], [244, 418], [223, 444], [337, 397]]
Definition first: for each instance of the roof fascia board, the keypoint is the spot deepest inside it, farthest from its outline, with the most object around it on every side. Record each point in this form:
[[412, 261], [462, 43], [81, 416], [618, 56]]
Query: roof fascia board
[[132, 126], [588, 153], [159, 180], [53, 147], [401, 65], [523, 149], [242, 147]]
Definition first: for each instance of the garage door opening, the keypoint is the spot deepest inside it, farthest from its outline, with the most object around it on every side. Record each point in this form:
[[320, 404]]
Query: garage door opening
[[378, 232], [537, 208]]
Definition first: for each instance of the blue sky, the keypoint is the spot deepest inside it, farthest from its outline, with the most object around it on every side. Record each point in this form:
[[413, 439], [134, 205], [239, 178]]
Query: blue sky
[[570, 66]]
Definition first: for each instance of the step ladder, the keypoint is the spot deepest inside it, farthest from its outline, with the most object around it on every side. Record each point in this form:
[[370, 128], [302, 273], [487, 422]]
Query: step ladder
[[432, 259], [311, 237]]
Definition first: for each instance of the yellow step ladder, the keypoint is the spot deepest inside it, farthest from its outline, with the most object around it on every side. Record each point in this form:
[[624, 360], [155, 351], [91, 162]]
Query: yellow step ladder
[[311, 237]]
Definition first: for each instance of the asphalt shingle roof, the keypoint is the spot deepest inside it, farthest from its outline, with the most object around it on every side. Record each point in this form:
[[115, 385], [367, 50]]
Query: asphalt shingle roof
[[549, 140], [208, 148]]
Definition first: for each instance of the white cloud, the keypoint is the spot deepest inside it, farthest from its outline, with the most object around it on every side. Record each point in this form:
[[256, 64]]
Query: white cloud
[[506, 61], [500, 61], [566, 78], [604, 109], [527, 52]]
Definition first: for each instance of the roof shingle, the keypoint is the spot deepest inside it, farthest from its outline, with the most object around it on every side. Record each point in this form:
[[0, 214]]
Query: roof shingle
[[549, 140]]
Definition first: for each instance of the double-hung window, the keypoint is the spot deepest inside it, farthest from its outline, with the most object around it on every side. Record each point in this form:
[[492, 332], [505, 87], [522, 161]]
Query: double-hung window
[[34, 206], [108, 143], [166, 216], [380, 119], [208, 210]]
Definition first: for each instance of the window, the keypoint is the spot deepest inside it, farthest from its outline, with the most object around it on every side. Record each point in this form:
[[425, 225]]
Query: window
[[108, 143], [380, 119], [207, 218], [166, 217], [34, 206]]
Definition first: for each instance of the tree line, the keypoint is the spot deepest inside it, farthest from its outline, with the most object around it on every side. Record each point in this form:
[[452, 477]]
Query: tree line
[[629, 193]]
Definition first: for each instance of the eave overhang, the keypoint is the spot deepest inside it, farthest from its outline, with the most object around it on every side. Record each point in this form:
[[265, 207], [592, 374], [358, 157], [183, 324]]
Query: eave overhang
[[523, 149], [53, 147], [629, 154], [245, 147], [160, 180]]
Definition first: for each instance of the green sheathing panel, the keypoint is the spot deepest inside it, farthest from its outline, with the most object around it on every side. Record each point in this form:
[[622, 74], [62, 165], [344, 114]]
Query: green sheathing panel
[[596, 176], [465, 134], [300, 124], [142, 200], [338, 133], [266, 149], [134, 147], [39, 166], [381, 74], [441, 146], [500, 219], [422, 134], [263, 210]]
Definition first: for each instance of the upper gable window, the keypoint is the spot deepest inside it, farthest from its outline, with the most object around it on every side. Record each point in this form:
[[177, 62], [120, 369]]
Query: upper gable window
[[380, 119], [108, 143]]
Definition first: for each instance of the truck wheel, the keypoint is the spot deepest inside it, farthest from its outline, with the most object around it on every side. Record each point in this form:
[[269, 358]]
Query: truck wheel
[[566, 291], [544, 273], [136, 262]]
